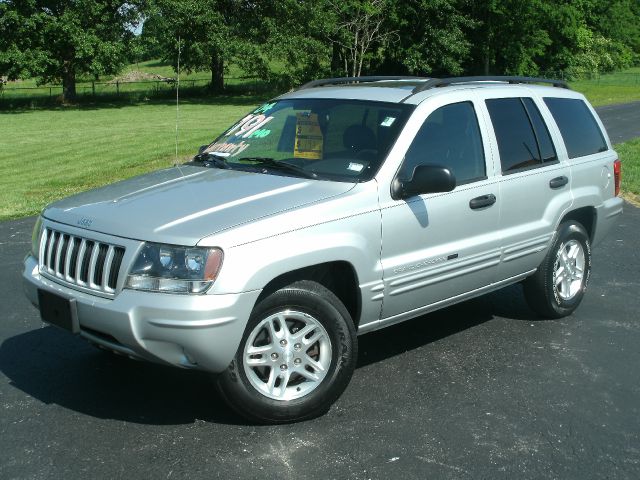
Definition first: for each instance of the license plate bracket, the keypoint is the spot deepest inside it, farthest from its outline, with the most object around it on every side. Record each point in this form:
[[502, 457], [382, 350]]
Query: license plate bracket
[[59, 311]]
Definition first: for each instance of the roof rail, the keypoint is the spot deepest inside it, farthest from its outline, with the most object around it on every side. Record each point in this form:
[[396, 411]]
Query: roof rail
[[443, 82], [339, 80]]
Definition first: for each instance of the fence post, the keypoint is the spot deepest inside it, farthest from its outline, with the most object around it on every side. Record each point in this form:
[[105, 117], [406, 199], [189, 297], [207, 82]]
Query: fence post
[[118, 88], [93, 88], [49, 92]]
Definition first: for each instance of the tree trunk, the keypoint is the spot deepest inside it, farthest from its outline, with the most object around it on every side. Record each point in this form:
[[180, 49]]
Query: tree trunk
[[335, 59], [217, 72], [68, 82], [487, 61]]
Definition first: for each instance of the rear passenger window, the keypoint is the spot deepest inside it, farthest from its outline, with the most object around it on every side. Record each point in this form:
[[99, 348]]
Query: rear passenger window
[[580, 131], [523, 139], [547, 153], [449, 137]]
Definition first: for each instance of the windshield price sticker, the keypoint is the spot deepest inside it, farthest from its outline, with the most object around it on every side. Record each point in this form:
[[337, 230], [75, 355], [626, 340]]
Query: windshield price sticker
[[248, 125], [227, 149], [265, 107], [309, 140]]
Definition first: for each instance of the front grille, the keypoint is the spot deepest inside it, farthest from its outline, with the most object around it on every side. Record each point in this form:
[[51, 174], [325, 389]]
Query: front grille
[[80, 261]]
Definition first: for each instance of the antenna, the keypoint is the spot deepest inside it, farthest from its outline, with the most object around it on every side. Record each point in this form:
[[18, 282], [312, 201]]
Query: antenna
[[178, 99]]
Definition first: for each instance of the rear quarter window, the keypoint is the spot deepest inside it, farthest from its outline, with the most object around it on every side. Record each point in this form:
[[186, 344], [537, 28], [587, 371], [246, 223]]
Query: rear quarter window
[[580, 131]]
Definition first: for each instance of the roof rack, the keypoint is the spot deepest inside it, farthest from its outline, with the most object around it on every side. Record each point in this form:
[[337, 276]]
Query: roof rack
[[428, 83], [339, 80], [443, 82]]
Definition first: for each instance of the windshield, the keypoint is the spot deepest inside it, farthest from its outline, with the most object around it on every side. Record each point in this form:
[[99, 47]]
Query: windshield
[[330, 139]]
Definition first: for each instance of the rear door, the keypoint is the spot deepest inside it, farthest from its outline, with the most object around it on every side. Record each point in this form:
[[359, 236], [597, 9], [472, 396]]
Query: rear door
[[535, 185]]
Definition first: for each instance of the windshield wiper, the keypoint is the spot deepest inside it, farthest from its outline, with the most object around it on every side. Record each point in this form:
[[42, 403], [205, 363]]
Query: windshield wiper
[[211, 160], [279, 165]]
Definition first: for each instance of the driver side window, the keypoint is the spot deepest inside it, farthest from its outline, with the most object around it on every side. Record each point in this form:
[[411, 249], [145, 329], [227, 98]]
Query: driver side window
[[449, 137]]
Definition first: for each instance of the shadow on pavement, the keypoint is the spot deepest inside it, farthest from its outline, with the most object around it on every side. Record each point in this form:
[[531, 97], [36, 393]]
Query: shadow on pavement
[[508, 303], [57, 368]]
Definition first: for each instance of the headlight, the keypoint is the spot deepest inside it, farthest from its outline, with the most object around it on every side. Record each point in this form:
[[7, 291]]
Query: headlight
[[36, 236], [170, 269]]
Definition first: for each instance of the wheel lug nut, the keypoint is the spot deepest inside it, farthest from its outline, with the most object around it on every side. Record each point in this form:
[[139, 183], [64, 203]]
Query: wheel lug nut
[[283, 342], [274, 356], [283, 367], [297, 346], [297, 361]]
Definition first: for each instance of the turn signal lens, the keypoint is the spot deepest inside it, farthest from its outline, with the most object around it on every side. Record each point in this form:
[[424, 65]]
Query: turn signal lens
[[617, 176]]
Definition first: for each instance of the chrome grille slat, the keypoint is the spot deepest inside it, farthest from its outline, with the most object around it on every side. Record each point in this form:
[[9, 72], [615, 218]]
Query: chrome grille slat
[[92, 267], [86, 261], [43, 244], [83, 249], [67, 258], [50, 244], [106, 270], [58, 258], [81, 262]]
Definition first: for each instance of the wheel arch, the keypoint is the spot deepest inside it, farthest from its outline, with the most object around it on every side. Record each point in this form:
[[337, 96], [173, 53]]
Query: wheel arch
[[586, 216], [339, 277]]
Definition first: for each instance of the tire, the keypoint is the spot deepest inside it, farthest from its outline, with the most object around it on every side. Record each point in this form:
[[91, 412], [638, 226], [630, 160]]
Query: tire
[[558, 286], [304, 371]]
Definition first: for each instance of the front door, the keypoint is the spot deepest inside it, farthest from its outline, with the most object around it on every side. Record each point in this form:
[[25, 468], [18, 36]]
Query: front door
[[439, 246]]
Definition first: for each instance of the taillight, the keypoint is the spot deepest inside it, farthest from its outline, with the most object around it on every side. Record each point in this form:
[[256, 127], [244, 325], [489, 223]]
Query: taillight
[[617, 174]]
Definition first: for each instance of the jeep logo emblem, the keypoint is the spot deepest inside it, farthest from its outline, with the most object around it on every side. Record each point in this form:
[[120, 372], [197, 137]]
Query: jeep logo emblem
[[84, 222]]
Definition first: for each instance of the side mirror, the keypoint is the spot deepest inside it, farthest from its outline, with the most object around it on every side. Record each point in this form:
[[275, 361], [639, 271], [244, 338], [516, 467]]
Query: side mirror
[[202, 148], [425, 179]]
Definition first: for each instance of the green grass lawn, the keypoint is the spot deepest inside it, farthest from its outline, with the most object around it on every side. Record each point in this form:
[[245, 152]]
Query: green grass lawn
[[610, 88], [630, 156], [49, 154]]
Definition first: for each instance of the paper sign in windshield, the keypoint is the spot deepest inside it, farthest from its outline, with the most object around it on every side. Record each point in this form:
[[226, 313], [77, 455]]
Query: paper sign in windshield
[[388, 121], [309, 139]]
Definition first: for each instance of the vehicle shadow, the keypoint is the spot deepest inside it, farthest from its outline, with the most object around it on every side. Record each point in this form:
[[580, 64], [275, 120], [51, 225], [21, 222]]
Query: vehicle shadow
[[508, 303], [57, 368]]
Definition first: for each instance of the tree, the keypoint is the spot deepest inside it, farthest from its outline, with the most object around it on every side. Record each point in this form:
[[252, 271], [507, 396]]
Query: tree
[[432, 37], [294, 36], [360, 27], [511, 37], [208, 35], [57, 40]]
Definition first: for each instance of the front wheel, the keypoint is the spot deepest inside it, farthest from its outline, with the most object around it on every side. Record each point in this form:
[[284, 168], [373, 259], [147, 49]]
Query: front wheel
[[296, 356], [557, 287]]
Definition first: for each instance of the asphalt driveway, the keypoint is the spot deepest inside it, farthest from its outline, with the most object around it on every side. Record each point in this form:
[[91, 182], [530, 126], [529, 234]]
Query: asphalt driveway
[[480, 390]]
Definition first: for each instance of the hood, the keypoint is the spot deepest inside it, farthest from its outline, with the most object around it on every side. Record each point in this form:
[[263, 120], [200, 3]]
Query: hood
[[183, 204]]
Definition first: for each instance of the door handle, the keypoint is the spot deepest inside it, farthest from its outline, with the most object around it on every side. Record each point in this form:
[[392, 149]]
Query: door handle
[[483, 201], [558, 182]]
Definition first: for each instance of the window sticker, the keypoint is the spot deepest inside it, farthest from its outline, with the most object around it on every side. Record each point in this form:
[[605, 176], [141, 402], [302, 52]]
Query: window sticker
[[388, 121], [263, 132], [265, 107], [227, 148], [248, 125], [356, 167], [309, 140]]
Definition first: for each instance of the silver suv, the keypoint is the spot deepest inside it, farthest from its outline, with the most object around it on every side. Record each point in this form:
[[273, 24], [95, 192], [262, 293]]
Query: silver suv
[[331, 211]]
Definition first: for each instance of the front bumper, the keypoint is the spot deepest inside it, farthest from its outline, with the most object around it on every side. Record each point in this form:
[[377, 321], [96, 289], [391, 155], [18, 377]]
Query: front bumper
[[189, 331]]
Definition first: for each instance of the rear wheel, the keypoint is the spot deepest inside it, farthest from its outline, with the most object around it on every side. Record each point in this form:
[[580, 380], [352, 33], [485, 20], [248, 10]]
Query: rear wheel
[[296, 356], [557, 287]]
